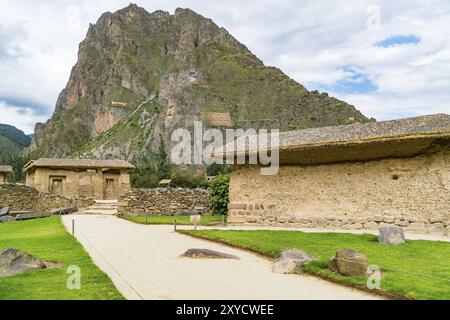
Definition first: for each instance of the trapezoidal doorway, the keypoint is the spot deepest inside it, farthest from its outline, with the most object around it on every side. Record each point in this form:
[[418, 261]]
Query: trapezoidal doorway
[[56, 185], [110, 184]]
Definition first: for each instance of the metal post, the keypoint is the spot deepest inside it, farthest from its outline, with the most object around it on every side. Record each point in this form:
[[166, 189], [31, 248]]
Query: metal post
[[175, 225], [73, 227], [195, 223], [223, 220], [146, 215]]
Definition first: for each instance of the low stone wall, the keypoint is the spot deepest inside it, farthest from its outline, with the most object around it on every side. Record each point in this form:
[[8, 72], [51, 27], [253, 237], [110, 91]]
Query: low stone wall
[[267, 215], [161, 201], [24, 198]]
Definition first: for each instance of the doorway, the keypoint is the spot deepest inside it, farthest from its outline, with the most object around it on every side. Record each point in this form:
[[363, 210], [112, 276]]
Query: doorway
[[109, 192], [57, 185]]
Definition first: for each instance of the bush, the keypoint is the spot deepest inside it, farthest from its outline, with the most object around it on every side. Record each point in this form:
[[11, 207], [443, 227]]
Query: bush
[[184, 179], [217, 169], [219, 193], [139, 180]]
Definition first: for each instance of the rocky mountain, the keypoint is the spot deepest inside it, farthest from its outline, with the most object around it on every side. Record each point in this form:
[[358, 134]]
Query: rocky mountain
[[12, 140], [141, 75]]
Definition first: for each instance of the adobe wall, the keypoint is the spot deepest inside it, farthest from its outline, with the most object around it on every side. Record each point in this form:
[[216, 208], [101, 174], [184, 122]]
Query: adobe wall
[[80, 183], [413, 193], [162, 201], [25, 198]]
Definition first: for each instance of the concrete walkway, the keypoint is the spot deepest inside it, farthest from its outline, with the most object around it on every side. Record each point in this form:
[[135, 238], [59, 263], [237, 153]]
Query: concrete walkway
[[144, 263]]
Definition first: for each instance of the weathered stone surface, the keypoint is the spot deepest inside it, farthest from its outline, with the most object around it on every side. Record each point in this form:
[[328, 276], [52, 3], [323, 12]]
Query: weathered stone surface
[[66, 210], [401, 223], [7, 219], [29, 216], [291, 260], [370, 225], [165, 201], [207, 254], [349, 262], [388, 219], [391, 235], [25, 198], [4, 211], [417, 226], [237, 206], [13, 261], [436, 229]]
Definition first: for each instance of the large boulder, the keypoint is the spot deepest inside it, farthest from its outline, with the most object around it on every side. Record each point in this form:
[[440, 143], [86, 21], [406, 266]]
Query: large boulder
[[4, 211], [7, 219], [290, 260], [207, 254], [29, 216], [66, 210], [349, 262], [391, 235], [13, 261]]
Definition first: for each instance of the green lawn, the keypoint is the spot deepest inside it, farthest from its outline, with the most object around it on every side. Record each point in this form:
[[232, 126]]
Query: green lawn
[[47, 239], [415, 270], [181, 220]]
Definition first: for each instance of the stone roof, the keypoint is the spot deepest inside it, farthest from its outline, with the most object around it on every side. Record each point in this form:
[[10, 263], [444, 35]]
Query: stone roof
[[372, 131], [78, 163], [403, 137], [6, 169]]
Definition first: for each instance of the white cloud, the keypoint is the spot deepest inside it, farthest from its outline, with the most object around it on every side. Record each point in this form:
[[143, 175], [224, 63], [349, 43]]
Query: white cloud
[[312, 41]]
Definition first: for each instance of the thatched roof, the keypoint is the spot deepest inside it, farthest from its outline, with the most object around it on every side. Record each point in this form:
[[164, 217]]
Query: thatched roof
[[395, 138], [78, 163], [6, 169]]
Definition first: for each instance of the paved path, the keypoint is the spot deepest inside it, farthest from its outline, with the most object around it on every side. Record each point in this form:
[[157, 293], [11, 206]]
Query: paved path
[[144, 263]]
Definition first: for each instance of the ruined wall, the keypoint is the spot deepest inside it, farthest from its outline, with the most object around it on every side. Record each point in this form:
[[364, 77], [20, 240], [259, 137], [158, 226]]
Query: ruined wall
[[413, 193], [24, 198], [161, 201]]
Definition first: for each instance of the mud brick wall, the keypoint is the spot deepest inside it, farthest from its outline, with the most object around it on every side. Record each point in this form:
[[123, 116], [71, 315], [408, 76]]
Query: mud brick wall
[[413, 193]]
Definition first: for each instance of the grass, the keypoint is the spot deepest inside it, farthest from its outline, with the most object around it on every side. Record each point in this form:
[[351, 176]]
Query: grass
[[48, 240], [181, 220], [414, 270]]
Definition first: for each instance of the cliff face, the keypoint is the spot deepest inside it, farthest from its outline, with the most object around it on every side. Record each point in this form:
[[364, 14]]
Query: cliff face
[[140, 75]]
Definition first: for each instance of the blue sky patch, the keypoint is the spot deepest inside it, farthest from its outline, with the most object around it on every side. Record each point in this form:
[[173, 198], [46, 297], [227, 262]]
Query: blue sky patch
[[355, 83], [398, 40]]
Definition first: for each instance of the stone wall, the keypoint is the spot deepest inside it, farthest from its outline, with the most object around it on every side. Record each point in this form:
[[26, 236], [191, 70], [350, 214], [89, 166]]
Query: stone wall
[[24, 198], [413, 193], [162, 201]]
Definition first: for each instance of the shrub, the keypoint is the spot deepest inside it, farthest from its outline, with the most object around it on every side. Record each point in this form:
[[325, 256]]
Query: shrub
[[184, 179], [219, 193], [217, 169], [139, 180]]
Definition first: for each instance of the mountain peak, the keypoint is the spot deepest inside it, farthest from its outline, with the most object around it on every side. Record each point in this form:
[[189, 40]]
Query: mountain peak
[[140, 75]]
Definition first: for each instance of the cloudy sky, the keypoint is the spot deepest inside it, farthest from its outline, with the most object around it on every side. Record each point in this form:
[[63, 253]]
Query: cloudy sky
[[390, 59]]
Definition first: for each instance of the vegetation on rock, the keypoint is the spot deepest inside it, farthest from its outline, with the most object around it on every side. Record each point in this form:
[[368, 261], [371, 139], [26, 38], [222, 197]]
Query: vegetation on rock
[[141, 75]]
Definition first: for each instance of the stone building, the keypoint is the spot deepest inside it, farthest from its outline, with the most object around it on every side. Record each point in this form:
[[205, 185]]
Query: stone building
[[100, 179], [5, 171], [353, 176]]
